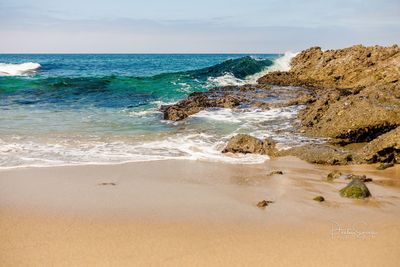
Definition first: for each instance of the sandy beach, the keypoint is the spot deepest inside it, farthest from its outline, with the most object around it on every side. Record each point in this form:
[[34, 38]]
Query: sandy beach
[[176, 212]]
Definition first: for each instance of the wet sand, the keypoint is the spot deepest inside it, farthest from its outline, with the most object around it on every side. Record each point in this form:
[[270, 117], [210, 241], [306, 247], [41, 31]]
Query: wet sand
[[186, 213]]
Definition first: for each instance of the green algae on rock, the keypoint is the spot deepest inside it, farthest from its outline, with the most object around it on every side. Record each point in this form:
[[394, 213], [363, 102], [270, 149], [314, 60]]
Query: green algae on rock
[[355, 189]]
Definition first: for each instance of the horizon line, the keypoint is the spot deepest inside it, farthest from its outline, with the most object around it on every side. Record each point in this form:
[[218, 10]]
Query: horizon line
[[140, 53]]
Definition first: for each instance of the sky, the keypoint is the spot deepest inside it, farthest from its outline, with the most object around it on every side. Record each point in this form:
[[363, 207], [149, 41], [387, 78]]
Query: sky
[[206, 26]]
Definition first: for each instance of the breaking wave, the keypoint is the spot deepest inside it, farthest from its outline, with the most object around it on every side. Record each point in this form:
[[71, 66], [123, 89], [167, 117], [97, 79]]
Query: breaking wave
[[18, 69], [280, 64]]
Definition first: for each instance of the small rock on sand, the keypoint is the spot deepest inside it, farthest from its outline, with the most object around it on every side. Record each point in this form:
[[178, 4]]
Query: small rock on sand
[[105, 184], [264, 203], [319, 198], [275, 173], [333, 175]]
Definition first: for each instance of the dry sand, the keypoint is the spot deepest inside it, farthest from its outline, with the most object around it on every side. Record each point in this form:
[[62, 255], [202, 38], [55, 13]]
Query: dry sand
[[183, 213]]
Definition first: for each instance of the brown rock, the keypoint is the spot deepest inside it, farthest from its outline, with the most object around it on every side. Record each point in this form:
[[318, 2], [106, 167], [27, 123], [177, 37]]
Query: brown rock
[[247, 144], [275, 173], [264, 203], [385, 148], [269, 147], [243, 143], [319, 198]]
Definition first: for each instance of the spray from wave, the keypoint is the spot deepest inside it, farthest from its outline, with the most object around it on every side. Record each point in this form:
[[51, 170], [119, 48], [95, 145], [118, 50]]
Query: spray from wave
[[18, 69], [283, 63]]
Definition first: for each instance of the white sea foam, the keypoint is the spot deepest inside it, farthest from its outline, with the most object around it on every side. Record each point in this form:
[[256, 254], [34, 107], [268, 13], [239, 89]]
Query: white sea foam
[[18, 69], [143, 113], [159, 103], [184, 143], [251, 115], [181, 146], [225, 80]]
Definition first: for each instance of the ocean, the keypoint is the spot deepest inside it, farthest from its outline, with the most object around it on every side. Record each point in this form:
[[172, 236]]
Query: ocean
[[70, 109]]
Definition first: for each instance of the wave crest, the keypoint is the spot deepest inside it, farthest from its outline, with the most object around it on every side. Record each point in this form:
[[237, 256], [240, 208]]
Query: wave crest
[[280, 64], [18, 69]]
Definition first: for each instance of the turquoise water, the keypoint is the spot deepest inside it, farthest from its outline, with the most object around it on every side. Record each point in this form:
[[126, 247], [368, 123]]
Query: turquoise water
[[77, 109]]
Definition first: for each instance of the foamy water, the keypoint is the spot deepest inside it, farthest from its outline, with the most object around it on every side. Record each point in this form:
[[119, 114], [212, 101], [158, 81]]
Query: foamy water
[[216, 127]]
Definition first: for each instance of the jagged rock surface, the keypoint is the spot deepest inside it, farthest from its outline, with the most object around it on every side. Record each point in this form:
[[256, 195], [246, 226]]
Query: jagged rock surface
[[357, 90]]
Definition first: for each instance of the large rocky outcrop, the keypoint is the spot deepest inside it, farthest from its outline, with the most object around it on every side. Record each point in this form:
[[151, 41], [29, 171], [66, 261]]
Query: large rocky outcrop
[[357, 91], [356, 66], [352, 95]]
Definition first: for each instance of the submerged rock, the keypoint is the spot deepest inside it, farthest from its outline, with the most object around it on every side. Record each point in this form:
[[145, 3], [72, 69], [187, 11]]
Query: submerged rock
[[319, 198], [355, 189], [251, 95], [197, 102]]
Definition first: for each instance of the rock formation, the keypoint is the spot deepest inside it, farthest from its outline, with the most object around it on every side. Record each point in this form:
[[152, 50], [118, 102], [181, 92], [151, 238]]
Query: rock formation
[[357, 91], [352, 95]]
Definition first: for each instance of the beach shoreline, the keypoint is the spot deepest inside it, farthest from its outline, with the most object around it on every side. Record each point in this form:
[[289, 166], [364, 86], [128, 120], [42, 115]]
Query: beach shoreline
[[195, 213]]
